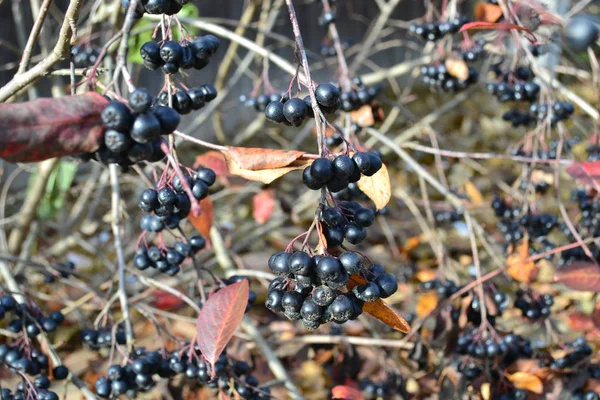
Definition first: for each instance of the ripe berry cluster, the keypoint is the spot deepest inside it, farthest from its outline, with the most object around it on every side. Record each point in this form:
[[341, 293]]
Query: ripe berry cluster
[[580, 351], [169, 205], [28, 317], [436, 30], [62, 270], [350, 193], [102, 338], [534, 307], [551, 153], [438, 77], [84, 58], [140, 373], [184, 101], [168, 7], [355, 99], [336, 174], [30, 361], [518, 118], [37, 389], [134, 135], [317, 297], [294, 111], [522, 90], [349, 221], [448, 216], [169, 259], [259, 103], [444, 289], [539, 224], [559, 111], [472, 54], [171, 55]]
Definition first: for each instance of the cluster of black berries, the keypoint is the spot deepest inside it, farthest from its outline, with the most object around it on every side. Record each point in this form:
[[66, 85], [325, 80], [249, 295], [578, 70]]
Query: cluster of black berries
[[134, 135], [559, 111], [355, 99], [63, 270], [436, 30], [293, 112], [444, 217], [84, 58], [522, 90], [472, 54], [538, 225], [503, 209], [443, 289], [350, 193], [551, 153], [168, 7], [327, 18], [30, 361], [381, 390], [580, 351], [172, 56], [102, 338], [438, 77], [37, 389], [169, 259], [167, 206], [518, 118], [259, 103], [336, 174], [316, 298], [27, 317], [184, 101], [534, 307], [349, 221], [140, 373]]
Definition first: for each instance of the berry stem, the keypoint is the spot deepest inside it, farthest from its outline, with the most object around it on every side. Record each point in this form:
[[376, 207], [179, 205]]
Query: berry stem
[[195, 206], [200, 141], [344, 71]]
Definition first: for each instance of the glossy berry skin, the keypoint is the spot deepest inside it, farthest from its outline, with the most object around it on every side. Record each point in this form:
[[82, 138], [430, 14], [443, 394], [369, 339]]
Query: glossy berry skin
[[295, 110], [362, 161], [146, 128], [60, 372], [197, 98], [182, 102], [309, 181], [323, 296], [364, 217], [351, 261], [343, 166], [581, 32], [150, 52], [116, 142], [274, 112], [117, 116], [273, 301], [387, 285], [171, 52], [140, 100], [341, 309], [206, 175], [367, 292], [301, 263], [168, 119], [200, 190], [321, 170], [333, 217], [139, 152], [327, 95], [210, 92], [310, 310], [334, 235], [355, 233], [279, 263], [292, 301], [197, 243], [329, 269], [166, 197]]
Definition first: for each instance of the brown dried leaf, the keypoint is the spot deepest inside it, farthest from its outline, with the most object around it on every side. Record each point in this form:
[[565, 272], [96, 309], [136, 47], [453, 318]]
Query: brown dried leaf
[[520, 267], [427, 303], [523, 380], [474, 194], [213, 160], [488, 12], [265, 175], [364, 116], [377, 187], [580, 275], [457, 67], [260, 159]]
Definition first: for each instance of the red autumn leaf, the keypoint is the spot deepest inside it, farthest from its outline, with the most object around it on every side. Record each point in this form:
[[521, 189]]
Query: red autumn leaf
[[581, 322], [213, 160], [343, 392], [166, 301], [585, 172], [483, 25], [581, 276], [264, 204], [257, 159], [204, 221], [51, 127], [379, 309], [219, 319]]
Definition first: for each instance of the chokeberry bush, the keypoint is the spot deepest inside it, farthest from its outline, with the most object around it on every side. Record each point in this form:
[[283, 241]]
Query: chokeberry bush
[[284, 199]]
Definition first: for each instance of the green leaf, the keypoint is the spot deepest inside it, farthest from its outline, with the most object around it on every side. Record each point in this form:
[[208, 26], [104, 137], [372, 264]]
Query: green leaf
[[59, 183], [136, 42]]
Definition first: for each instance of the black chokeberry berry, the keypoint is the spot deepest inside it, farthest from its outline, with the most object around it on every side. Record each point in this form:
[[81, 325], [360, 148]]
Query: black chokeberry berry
[[171, 52], [140, 100], [117, 116], [295, 110], [279, 263], [274, 112], [146, 128], [321, 170], [327, 95]]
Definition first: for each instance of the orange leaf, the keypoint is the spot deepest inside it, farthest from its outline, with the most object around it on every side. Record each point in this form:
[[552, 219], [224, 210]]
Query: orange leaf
[[457, 67], [343, 392], [264, 204], [519, 267], [523, 380], [380, 310], [213, 160], [363, 116], [257, 159], [474, 194], [377, 187], [263, 175], [580, 275], [427, 303], [484, 26], [204, 221], [488, 12]]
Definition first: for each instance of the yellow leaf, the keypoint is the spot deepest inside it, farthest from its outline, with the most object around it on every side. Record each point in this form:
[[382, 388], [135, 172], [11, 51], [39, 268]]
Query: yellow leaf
[[519, 267], [377, 187], [427, 303], [474, 194], [264, 175], [457, 68], [523, 380]]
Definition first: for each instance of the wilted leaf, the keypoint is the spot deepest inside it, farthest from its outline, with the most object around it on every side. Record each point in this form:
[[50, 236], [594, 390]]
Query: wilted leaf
[[204, 221], [523, 380], [585, 172], [258, 159], [488, 12], [457, 67], [474, 194], [380, 310], [264, 204], [166, 301], [377, 187], [520, 267], [213, 160], [427, 303], [343, 392], [263, 175], [219, 319], [51, 127], [363, 116], [580, 275]]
